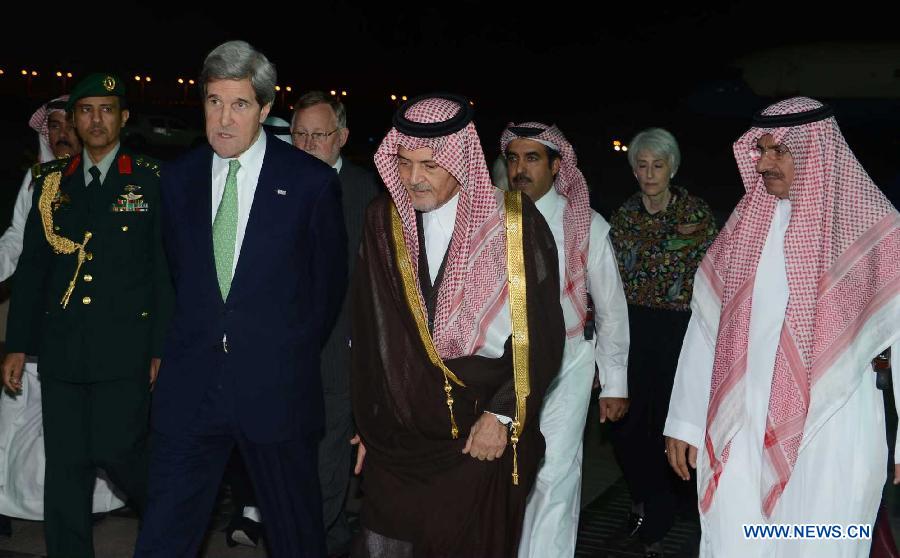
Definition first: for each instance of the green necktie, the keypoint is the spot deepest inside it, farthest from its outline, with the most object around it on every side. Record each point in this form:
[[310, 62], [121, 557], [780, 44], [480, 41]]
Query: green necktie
[[225, 229]]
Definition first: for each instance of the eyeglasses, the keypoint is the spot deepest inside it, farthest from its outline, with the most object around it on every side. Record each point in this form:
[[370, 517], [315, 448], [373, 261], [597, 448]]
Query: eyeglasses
[[778, 151], [315, 137]]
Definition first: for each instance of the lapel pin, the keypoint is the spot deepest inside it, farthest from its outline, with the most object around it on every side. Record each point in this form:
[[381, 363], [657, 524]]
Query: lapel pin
[[281, 192]]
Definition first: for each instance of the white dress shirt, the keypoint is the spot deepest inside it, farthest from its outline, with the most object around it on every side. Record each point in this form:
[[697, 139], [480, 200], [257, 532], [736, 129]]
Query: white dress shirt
[[103, 164], [247, 178]]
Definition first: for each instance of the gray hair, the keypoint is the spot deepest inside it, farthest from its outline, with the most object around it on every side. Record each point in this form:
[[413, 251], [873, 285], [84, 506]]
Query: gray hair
[[238, 60], [657, 141], [314, 98]]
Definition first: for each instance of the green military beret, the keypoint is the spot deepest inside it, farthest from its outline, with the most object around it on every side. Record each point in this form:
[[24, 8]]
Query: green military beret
[[97, 85]]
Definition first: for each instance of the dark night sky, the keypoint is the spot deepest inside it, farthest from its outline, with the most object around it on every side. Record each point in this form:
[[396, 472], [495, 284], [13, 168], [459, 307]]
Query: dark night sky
[[477, 48], [600, 70]]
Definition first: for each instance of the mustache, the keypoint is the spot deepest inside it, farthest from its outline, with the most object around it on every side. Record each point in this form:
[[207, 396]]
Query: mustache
[[768, 175], [420, 187], [63, 143], [521, 179]]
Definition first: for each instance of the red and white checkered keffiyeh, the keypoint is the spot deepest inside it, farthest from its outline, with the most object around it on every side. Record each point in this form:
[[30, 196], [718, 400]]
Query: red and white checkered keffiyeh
[[38, 123], [570, 184], [474, 288], [841, 249]]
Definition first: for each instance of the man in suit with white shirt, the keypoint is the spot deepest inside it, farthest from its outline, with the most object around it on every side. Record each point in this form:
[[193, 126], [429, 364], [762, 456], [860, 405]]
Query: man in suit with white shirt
[[255, 237], [319, 127]]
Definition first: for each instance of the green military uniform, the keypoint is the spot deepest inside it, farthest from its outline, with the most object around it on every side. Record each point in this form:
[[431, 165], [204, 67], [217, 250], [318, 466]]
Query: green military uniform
[[95, 330]]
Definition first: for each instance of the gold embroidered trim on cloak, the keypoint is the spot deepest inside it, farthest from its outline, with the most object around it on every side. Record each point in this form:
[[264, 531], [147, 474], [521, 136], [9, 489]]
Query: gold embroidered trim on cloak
[[518, 314], [518, 311], [60, 244], [411, 293]]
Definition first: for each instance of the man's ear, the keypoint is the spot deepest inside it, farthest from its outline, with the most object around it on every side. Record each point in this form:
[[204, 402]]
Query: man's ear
[[264, 113]]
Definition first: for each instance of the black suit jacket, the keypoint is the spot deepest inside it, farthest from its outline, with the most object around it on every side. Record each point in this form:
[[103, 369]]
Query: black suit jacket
[[286, 291], [359, 186]]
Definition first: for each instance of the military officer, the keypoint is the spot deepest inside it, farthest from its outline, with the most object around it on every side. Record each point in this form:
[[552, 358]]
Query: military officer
[[91, 299]]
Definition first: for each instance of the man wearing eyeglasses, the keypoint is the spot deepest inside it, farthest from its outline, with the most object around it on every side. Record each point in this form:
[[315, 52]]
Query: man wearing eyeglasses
[[775, 403], [319, 127]]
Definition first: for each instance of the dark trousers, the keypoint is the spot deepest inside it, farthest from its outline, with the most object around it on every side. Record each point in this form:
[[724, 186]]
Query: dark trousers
[[186, 470], [86, 426], [335, 466], [638, 442], [335, 463], [238, 479]]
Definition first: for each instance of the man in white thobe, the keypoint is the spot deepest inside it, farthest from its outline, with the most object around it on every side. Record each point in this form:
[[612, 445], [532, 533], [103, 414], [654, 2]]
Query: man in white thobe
[[793, 300], [542, 163]]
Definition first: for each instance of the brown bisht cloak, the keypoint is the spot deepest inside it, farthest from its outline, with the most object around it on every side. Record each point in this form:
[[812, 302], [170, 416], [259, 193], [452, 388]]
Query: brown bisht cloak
[[418, 486]]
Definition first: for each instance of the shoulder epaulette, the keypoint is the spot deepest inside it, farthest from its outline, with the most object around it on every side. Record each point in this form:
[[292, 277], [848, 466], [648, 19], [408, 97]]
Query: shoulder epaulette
[[147, 163], [41, 169]]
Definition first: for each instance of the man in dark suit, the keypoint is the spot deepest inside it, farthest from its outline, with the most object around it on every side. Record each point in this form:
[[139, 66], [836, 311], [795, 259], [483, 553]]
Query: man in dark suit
[[319, 127], [256, 243], [91, 298]]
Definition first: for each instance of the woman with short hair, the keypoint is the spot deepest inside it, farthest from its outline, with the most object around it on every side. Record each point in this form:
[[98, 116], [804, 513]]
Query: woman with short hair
[[660, 234]]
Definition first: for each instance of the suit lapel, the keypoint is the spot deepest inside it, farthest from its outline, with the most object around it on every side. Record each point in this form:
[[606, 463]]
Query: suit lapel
[[203, 219], [259, 210]]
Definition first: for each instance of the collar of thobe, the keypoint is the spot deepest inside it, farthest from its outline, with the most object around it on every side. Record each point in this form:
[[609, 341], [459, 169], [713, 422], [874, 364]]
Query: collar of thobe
[[103, 165], [251, 160], [440, 221], [550, 204], [338, 164], [783, 206]]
